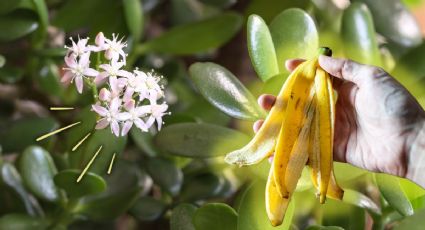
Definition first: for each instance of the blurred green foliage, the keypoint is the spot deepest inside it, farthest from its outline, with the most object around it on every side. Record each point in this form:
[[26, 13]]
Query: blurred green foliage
[[176, 178]]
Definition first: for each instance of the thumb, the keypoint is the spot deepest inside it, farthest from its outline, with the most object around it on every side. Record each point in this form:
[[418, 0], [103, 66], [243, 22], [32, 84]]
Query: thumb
[[347, 69]]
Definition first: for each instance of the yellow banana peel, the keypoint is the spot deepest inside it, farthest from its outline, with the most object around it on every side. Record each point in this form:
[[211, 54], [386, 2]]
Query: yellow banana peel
[[299, 130]]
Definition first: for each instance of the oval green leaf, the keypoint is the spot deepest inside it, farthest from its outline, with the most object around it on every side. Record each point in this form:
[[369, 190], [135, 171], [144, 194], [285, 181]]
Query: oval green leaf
[[414, 222], [294, 35], [222, 89], [148, 209], [13, 194], [261, 48], [22, 222], [26, 130], [201, 187], [360, 200], [396, 22], [133, 13], [16, 25], [89, 185], [205, 140], [195, 37], [215, 216], [37, 169], [252, 209], [165, 174], [359, 36], [8, 5], [181, 217], [315, 227], [392, 192]]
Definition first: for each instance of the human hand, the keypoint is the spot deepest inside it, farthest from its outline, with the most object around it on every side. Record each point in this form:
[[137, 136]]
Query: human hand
[[377, 120]]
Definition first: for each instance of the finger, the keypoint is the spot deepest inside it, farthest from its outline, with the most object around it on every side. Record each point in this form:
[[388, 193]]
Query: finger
[[257, 125], [266, 101], [346, 69], [291, 64]]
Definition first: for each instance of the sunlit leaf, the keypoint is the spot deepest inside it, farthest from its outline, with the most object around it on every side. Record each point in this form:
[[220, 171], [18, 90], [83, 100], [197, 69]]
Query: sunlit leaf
[[215, 216], [392, 192], [196, 37], [133, 13], [360, 200], [252, 209], [396, 22], [205, 140], [359, 36], [222, 89], [294, 35], [89, 185], [261, 48], [414, 222], [37, 169]]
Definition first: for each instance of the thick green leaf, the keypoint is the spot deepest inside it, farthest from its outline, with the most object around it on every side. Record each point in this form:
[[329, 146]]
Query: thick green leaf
[[148, 209], [418, 203], [315, 227], [204, 140], [268, 9], [8, 5], [215, 216], [411, 189], [2, 61], [48, 79], [89, 185], [13, 195], [104, 137], [181, 217], [133, 13], [109, 207], [294, 35], [392, 192], [26, 130], [261, 48], [395, 22], [144, 140], [410, 71], [252, 209], [37, 169], [16, 25], [196, 37], [360, 200], [11, 75], [77, 14], [165, 174], [219, 3], [22, 222], [222, 89], [359, 36], [414, 222], [201, 187]]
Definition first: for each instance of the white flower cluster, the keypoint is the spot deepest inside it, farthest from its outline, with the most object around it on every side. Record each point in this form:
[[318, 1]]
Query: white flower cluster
[[128, 98]]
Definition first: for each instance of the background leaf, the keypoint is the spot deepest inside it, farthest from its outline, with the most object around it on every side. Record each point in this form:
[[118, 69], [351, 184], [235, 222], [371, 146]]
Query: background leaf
[[89, 185], [165, 174], [181, 217], [16, 25], [215, 216], [222, 89], [209, 33], [205, 140], [392, 192], [37, 169], [22, 222]]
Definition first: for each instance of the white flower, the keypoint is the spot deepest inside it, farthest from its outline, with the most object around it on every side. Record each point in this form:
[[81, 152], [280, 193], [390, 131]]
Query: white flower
[[110, 116], [78, 69], [134, 83], [133, 115], [149, 85], [113, 48], [112, 69], [78, 48], [157, 111]]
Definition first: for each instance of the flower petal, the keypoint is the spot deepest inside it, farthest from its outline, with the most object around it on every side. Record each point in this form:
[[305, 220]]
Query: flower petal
[[141, 124], [126, 127], [129, 105], [99, 78], [67, 77], [102, 111], [90, 72], [115, 128], [142, 110], [124, 73], [84, 59], [115, 104], [150, 121], [70, 61], [102, 123], [104, 95], [79, 83], [159, 122], [128, 94], [124, 116]]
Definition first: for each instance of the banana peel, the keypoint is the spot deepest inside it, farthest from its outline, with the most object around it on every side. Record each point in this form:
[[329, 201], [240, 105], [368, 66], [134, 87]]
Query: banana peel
[[299, 131]]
